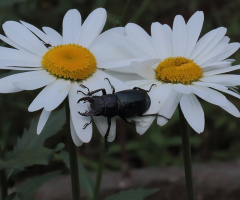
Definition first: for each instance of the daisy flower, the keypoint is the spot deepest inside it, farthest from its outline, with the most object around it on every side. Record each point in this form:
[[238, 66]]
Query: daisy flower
[[59, 63], [183, 68]]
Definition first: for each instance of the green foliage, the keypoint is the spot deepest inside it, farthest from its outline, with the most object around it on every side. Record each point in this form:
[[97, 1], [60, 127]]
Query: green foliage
[[133, 194], [86, 182]]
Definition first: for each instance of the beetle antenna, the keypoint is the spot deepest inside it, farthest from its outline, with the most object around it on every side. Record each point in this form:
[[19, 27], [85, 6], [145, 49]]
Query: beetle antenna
[[85, 87], [151, 87], [113, 89]]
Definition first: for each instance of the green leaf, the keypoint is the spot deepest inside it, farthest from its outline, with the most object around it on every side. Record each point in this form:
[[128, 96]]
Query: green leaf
[[28, 150], [86, 182], [133, 194], [29, 188], [26, 157]]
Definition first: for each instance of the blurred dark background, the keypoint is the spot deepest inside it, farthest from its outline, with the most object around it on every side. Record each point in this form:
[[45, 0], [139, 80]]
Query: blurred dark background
[[159, 146]]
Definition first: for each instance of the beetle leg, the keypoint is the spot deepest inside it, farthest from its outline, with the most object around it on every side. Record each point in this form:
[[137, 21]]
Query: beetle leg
[[108, 129], [113, 89], [84, 87], [95, 91], [154, 114], [124, 119], [137, 88], [81, 92], [86, 125]]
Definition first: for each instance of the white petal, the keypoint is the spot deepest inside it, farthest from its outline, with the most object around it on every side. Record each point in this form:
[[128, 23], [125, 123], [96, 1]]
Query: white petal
[[6, 84], [216, 65], [79, 121], [168, 107], [142, 129], [21, 64], [210, 46], [37, 32], [35, 80], [42, 120], [222, 70], [203, 43], [10, 42], [161, 40], [13, 56], [219, 78], [214, 53], [102, 125], [179, 37], [211, 85], [140, 37], [194, 27], [71, 27], [54, 36], [144, 68], [74, 135], [230, 108], [182, 89], [24, 38], [212, 96], [231, 49], [92, 27], [58, 91], [193, 112]]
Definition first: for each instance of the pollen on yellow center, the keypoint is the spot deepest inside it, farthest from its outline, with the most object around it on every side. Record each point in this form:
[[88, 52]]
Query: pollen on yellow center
[[70, 61], [178, 70]]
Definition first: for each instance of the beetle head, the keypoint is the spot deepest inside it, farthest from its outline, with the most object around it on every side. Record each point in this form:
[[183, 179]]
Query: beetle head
[[96, 106]]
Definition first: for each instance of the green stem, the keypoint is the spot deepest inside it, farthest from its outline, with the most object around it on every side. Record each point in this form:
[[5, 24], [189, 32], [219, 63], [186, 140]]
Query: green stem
[[187, 156], [99, 173], [73, 159], [3, 183]]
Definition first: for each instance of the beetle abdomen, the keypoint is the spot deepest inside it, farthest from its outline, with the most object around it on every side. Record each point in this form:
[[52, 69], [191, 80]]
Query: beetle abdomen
[[132, 103]]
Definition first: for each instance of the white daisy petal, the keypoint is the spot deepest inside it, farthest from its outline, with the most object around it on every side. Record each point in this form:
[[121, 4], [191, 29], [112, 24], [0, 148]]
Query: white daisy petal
[[219, 78], [35, 80], [7, 86], [74, 135], [142, 129], [84, 134], [205, 41], [54, 37], [179, 37], [42, 120], [92, 27], [24, 37], [211, 85], [194, 27], [208, 49], [214, 53], [71, 27], [36, 31], [230, 108], [216, 65], [9, 54], [39, 100], [168, 107], [231, 49], [222, 70], [58, 91], [144, 68], [102, 125], [10, 42], [183, 89], [212, 96], [139, 36], [193, 112]]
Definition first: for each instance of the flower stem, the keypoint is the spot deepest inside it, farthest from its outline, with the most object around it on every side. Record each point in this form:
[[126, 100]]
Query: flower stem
[[72, 150], [187, 156], [3, 177], [99, 173]]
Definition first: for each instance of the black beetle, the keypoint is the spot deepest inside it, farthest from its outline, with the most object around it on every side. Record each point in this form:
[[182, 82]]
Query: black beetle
[[125, 104]]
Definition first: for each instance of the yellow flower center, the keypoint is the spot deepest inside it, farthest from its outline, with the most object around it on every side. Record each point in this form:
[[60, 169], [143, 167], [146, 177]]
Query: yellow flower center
[[178, 70], [70, 61]]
